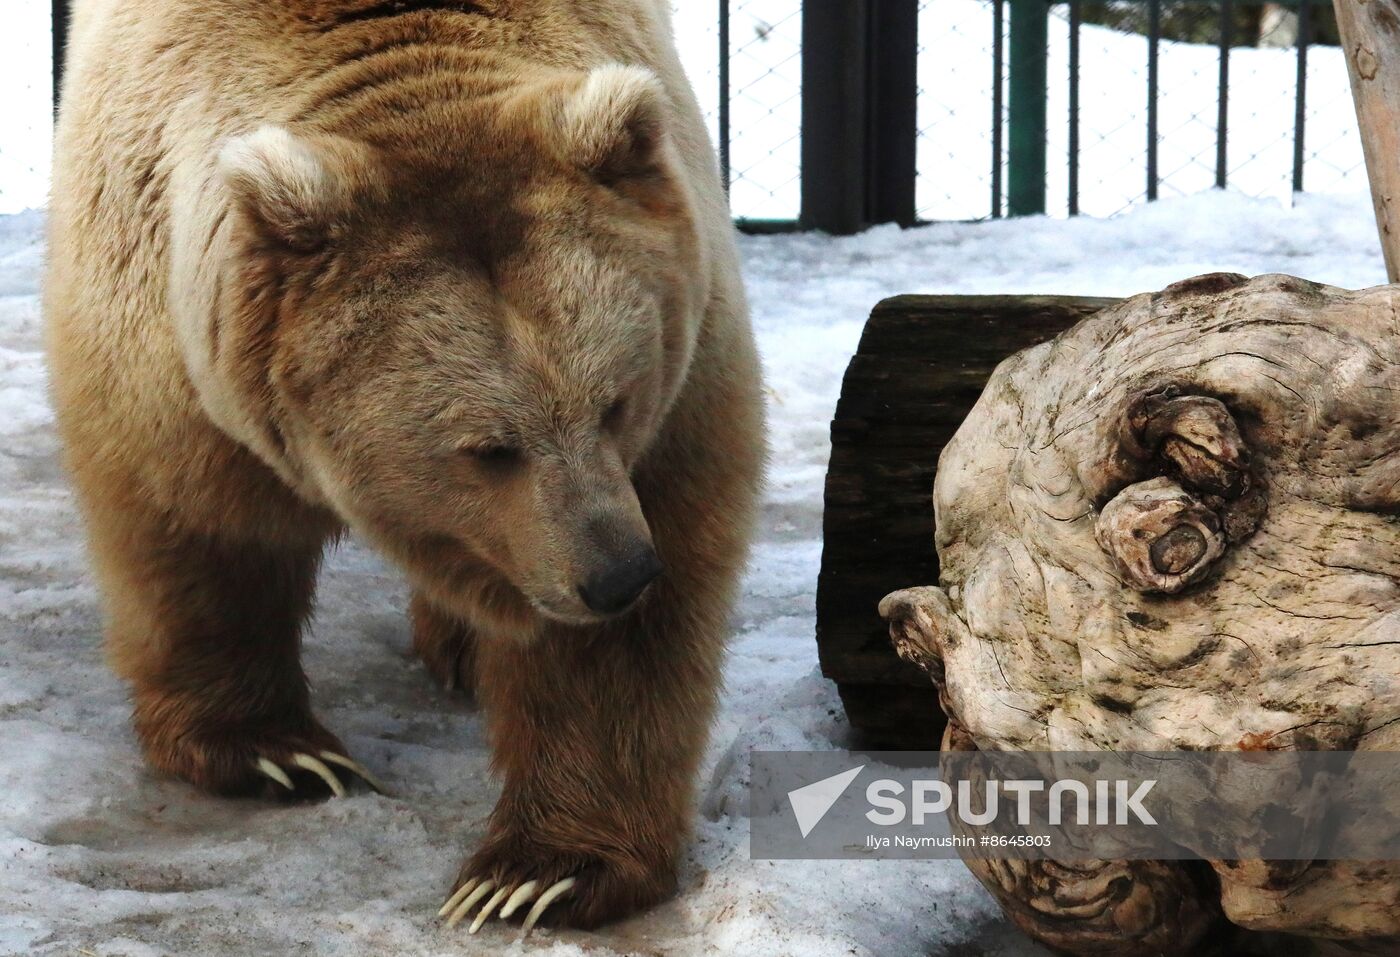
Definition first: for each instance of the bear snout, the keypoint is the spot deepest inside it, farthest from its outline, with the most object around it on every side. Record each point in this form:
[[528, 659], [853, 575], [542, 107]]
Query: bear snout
[[614, 588]]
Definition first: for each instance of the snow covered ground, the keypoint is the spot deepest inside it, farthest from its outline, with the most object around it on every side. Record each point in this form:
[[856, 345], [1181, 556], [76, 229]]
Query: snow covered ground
[[100, 857]]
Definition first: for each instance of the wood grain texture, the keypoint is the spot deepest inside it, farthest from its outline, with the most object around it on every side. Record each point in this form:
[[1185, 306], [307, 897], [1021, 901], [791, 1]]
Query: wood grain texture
[[1370, 32], [1177, 527], [921, 364]]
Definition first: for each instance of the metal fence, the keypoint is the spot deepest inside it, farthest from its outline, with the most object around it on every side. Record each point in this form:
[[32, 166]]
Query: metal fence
[[1025, 106], [744, 58], [927, 110], [1107, 105]]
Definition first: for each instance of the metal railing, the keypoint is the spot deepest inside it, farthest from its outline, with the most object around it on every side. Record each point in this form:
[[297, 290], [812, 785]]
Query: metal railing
[[1225, 16], [837, 114], [1158, 97]]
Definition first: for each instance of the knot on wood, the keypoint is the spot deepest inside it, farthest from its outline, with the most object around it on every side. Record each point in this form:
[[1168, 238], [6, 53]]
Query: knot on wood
[[1179, 550], [1366, 63], [914, 615], [1161, 537], [1194, 437]]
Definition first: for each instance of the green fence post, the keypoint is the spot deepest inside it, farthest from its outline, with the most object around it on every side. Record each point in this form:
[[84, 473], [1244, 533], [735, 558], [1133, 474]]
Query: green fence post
[[1025, 193]]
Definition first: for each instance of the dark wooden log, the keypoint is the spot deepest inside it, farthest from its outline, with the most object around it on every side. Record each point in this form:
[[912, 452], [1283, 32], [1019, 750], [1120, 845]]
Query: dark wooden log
[[920, 367]]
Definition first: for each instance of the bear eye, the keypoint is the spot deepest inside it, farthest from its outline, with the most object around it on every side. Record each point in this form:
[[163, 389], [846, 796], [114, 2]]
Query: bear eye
[[495, 455], [613, 416]]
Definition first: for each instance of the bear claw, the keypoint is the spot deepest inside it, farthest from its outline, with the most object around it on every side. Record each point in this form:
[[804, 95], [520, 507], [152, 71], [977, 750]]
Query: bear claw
[[559, 889], [356, 768], [472, 891], [318, 767], [522, 893], [276, 773], [459, 910], [488, 908]]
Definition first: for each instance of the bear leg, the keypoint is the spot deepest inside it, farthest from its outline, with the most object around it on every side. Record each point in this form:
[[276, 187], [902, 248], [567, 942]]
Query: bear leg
[[446, 645], [207, 631], [597, 734]]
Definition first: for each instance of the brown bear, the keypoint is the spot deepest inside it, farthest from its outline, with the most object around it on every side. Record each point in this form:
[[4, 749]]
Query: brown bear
[[459, 277]]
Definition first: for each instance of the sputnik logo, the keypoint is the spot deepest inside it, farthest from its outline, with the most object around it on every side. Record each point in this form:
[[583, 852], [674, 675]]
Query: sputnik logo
[[811, 802]]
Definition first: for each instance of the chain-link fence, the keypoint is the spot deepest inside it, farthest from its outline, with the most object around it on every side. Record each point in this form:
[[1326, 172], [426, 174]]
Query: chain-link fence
[[744, 58], [1145, 99], [1137, 104], [1133, 97]]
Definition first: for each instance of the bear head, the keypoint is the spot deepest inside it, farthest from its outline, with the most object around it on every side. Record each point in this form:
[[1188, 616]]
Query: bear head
[[462, 326]]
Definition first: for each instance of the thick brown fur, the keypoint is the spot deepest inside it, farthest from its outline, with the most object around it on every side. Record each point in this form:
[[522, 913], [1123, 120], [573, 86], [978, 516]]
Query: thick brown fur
[[460, 277]]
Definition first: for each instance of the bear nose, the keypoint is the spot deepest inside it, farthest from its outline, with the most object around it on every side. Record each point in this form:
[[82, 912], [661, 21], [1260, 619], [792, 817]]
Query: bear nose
[[617, 587]]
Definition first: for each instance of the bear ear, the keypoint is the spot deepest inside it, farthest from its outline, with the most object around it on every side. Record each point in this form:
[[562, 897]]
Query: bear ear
[[287, 186], [614, 122]]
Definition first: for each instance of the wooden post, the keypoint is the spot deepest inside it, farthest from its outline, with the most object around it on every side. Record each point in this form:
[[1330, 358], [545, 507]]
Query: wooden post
[[1370, 31]]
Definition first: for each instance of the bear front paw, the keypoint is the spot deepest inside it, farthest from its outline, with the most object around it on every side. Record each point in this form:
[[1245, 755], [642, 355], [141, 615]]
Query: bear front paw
[[294, 757], [560, 889]]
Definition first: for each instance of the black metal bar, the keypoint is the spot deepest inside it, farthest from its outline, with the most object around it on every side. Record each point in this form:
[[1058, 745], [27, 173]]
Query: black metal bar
[[61, 17], [1222, 121], [859, 113], [1300, 100], [1075, 20], [1154, 43], [835, 43], [998, 103], [893, 111], [724, 92]]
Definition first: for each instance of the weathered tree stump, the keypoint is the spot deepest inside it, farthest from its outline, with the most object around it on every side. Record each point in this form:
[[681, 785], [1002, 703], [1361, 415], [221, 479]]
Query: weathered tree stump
[[921, 365], [1177, 526]]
